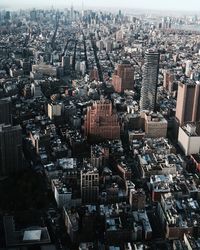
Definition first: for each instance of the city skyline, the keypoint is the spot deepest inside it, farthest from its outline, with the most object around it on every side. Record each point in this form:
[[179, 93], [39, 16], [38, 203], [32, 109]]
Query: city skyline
[[179, 5], [99, 125]]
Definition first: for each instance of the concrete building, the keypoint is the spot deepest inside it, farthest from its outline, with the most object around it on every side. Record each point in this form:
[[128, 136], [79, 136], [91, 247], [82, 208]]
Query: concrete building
[[189, 138], [196, 159], [160, 184], [101, 122], [66, 64], [71, 218], [99, 156], [188, 68], [124, 170], [188, 102], [119, 36], [109, 45], [62, 194], [137, 199], [94, 74], [35, 237], [155, 125], [45, 69], [177, 216], [10, 149], [5, 111], [168, 82], [150, 81], [89, 184], [54, 109]]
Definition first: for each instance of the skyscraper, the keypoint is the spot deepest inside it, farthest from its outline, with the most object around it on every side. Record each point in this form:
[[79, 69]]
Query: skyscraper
[[5, 111], [123, 78], [89, 184], [150, 80], [66, 64], [188, 102], [10, 149]]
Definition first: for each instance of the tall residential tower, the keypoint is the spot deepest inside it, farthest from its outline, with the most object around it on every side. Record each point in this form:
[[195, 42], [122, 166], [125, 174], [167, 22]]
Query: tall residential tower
[[150, 80]]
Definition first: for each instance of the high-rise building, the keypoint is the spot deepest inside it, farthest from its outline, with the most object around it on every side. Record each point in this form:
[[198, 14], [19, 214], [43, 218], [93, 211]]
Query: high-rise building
[[94, 74], [66, 64], [72, 13], [99, 156], [5, 111], [119, 36], [123, 78], [33, 15], [168, 81], [189, 138], [109, 45], [10, 149], [54, 109], [188, 68], [150, 81], [188, 103], [89, 184], [101, 122]]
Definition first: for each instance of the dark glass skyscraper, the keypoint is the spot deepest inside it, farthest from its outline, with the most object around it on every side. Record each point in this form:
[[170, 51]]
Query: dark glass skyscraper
[[150, 80], [5, 111]]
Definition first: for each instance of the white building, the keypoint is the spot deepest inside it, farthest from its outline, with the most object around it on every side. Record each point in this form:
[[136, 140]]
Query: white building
[[62, 195], [54, 109]]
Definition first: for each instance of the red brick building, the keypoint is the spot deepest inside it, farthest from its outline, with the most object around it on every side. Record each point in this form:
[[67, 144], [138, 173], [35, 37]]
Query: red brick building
[[123, 78], [101, 122]]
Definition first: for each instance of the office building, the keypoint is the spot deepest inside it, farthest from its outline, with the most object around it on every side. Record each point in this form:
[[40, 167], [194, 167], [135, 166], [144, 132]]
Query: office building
[[123, 78], [5, 111], [150, 81], [188, 102], [101, 122], [168, 82], [188, 68], [155, 125], [54, 110], [66, 64], [89, 184], [137, 199], [10, 149], [189, 138], [99, 156], [94, 74]]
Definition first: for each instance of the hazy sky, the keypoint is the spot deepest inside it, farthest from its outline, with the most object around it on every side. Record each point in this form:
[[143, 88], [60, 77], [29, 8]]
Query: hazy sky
[[185, 5]]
